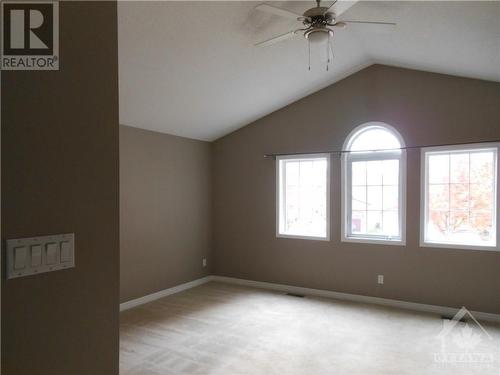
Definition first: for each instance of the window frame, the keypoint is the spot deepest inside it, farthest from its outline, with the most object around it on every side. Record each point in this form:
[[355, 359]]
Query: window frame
[[424, 173], [346, 188], [279, 179]]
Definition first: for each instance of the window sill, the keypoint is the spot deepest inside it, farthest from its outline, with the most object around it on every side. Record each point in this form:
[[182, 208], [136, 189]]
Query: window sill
[[297, 237], [458, 246], [374, 241]]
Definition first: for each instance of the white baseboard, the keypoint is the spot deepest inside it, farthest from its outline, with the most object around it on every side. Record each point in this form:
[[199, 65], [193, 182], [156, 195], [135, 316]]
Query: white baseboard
[[163, 293], [441, 310]]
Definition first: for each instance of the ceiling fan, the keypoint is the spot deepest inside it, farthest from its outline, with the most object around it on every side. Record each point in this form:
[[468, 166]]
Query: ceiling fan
[[319, 23]]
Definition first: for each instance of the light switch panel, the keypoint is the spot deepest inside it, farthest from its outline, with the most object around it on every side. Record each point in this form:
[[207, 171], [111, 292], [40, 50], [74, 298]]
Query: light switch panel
[[29, 256]]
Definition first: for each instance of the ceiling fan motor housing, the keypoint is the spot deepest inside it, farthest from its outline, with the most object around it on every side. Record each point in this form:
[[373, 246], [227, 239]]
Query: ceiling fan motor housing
[[319, 14]]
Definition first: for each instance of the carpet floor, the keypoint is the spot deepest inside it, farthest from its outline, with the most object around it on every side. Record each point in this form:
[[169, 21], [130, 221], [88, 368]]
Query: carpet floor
[[226, 329]]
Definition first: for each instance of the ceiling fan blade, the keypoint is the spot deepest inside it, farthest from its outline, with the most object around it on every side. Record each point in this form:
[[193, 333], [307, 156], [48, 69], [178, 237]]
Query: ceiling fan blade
[[277, 39], [340, 6], [332, 4], [370, 23], [278, 11], [339, 24]]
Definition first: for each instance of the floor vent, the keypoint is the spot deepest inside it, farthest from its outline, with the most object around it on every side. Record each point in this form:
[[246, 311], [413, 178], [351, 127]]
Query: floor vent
[[295, 295]]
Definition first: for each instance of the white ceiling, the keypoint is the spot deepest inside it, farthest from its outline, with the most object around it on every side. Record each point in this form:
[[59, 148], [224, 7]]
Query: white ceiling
[[190, 68]]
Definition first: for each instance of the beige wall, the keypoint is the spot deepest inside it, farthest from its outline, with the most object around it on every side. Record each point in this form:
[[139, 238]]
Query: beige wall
[[165, 211], [60, 175], [426, 109]]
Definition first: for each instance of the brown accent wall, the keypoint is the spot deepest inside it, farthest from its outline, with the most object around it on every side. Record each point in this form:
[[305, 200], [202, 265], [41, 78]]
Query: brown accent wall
[[165, 211], [426, 109], [60, 175]]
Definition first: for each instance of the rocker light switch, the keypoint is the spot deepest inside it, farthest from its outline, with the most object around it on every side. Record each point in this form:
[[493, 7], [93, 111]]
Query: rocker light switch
[[19, 258], [51, 256], [36, 255], [65, 252]]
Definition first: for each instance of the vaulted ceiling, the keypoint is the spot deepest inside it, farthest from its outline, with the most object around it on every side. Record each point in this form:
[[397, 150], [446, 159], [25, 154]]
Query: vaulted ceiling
[[191, 68]]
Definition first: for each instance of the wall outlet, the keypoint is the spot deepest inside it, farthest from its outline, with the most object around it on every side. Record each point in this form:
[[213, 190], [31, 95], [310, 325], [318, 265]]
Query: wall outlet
[[204, 262], [380, 279]]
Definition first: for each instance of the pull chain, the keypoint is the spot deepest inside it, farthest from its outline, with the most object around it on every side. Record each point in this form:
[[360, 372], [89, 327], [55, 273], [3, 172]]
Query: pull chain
[[309, 50], [330, 48], [328, 52]]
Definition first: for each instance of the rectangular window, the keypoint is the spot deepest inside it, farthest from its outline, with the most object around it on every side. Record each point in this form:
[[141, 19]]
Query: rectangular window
[[303, 189], [375, 199], [459, 195]]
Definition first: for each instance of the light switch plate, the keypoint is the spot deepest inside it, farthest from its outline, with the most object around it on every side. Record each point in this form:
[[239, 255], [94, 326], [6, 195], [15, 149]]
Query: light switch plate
[[41, 254]]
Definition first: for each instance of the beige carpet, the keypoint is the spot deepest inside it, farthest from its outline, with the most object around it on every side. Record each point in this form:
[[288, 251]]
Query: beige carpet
[[225, 329]]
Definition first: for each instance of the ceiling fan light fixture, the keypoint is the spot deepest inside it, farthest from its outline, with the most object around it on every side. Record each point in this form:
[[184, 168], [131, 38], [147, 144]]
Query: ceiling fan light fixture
[[318, 35]]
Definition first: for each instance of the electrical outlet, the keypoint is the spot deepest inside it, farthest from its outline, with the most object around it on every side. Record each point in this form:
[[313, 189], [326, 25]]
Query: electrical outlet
[[204, 262], [380, 279]]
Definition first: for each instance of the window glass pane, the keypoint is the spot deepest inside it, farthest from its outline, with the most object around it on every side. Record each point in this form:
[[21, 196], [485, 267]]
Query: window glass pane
[[460, 200], [390, 171], [481, 168], [459, 222], [358, 222], [374, 222], [439, 197], [459, 168], [391, 198], [374, 201], [359, 198], [481, 197], [439, 169], [374, 172], [374, 138], [482, 226], [292, 173], [303, 197], [359, 173], [437, 224], [459, 196], [391, 223]]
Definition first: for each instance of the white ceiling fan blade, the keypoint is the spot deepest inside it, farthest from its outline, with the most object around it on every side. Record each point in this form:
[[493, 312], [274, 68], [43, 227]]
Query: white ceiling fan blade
[[370, 23], [276, 39], [278, 11], [340, 6]]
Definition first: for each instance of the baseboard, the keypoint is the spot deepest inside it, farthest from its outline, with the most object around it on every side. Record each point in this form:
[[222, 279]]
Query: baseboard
[[163, 293], [441, 310]]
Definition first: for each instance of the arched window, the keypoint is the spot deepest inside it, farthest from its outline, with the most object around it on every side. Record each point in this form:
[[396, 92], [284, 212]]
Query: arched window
[[373, 188]]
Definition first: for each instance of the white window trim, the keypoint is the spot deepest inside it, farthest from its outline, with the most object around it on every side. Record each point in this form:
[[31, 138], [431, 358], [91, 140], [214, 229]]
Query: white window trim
[[302, 157], [423, 195], [375, 155]]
